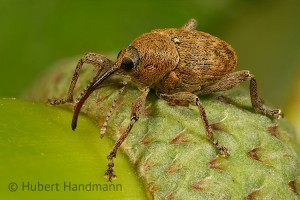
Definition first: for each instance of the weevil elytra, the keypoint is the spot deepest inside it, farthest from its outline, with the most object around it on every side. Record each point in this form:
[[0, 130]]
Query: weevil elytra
[[179, 65]]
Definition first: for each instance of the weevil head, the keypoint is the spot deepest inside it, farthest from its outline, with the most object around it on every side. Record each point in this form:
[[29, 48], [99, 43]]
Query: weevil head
[[148, 58]]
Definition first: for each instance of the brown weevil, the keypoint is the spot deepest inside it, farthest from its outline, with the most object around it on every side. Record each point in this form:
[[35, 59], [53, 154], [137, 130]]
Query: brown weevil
[[179, 65]]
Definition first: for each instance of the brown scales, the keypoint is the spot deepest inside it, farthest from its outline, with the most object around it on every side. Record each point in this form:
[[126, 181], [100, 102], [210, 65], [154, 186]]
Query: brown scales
[[215, 164], [171, 196], [180, 139], [198, 186], [253, 154], [152, 187], [273, 130], [219, 126], [146, 139], [252, 195], [147, 164], [292, 185], [173, 167]]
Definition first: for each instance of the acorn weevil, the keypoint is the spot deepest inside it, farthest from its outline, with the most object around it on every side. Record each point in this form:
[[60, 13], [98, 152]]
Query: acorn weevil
[[179, 65]]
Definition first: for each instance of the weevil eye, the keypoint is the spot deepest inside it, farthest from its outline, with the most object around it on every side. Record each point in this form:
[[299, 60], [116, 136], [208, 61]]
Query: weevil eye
[[127, 64]]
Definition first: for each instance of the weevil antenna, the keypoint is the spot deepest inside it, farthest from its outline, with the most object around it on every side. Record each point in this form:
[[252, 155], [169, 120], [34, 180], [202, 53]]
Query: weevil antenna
[[88, 92]]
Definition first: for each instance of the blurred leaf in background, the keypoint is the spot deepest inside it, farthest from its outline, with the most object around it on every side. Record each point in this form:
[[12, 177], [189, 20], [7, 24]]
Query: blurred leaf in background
[[34, 34]]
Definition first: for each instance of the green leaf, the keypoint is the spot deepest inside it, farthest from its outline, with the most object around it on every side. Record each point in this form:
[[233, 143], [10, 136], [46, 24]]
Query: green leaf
[[38, 147]]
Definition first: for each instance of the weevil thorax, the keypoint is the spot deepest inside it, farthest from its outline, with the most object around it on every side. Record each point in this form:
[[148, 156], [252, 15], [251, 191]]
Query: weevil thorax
[[148, 58]]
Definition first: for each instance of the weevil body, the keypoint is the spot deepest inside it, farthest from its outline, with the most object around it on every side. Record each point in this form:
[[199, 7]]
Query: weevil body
[[180, 65], [178, 60]]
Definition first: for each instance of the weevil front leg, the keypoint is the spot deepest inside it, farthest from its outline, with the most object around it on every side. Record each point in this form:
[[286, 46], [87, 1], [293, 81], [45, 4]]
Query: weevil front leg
[[234, 79], [97, 60], [112, 108], [137, 109], [186, 98]]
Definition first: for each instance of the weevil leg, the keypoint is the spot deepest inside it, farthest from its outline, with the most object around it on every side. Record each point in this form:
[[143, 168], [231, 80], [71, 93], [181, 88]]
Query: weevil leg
[[112, 108], [191, 24], [186, 98], [234, 79], [137, 109], [97, 60]]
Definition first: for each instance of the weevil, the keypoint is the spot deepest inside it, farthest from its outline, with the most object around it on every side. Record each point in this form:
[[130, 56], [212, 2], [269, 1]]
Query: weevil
[[179, 64]]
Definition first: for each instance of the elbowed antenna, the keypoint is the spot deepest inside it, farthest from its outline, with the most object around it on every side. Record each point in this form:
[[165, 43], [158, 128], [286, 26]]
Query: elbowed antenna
[[89, 91]]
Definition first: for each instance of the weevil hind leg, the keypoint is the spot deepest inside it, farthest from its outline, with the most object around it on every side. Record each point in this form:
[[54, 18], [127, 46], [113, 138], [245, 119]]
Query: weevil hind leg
[[191, 24], [236, 78], [137, 109], [186, 98], [97, 60]]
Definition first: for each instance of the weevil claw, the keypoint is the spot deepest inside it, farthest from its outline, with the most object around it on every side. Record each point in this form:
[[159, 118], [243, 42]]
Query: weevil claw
[[278, 114], [54, 101], [110, 174]]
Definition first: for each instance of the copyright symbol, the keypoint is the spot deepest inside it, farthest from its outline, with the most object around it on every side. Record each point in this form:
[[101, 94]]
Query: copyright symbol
[[12, 187]]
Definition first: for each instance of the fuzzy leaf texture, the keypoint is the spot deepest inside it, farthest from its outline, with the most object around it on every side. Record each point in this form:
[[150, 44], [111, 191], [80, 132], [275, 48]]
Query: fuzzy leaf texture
[[169, 149]]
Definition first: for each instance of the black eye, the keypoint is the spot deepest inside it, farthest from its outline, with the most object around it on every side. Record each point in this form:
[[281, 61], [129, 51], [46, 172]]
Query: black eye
[[127, 64]]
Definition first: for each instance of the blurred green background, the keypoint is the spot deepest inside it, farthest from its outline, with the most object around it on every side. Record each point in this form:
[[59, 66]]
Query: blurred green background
[[35, 34]]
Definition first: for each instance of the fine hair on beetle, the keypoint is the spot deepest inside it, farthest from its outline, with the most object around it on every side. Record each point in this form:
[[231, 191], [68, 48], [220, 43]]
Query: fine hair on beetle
[[180, 65]]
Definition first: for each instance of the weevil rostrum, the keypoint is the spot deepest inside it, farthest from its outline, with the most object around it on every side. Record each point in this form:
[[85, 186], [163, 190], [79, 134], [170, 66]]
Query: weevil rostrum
[[179, 64]]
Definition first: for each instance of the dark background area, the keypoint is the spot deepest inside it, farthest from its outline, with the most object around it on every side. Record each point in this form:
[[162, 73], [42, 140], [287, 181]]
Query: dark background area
[[35, 34]]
